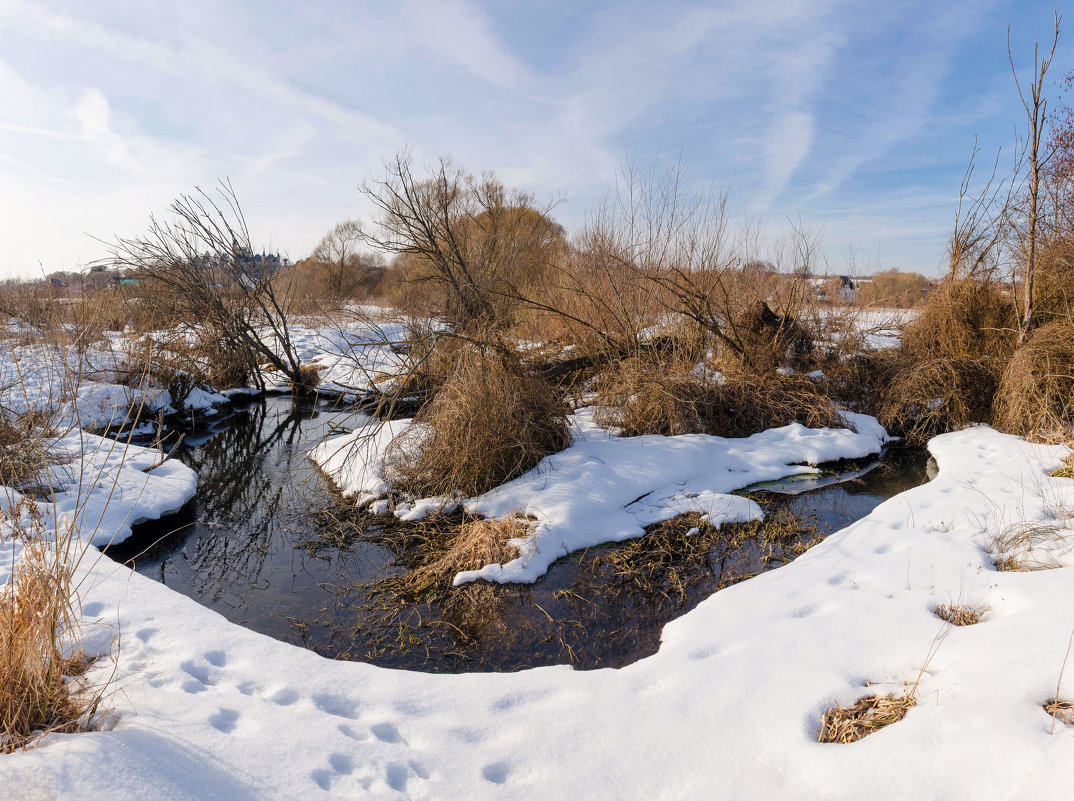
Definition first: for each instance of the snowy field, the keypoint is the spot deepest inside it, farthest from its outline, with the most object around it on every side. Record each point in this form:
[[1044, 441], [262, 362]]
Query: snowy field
[[728, 708]]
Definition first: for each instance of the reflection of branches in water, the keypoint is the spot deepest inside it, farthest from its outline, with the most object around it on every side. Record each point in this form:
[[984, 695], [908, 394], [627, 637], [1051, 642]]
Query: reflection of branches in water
[[255, 483]]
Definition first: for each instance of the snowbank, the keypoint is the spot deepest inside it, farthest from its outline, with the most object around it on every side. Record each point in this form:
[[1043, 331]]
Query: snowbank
[[728, 708], [606, 489]]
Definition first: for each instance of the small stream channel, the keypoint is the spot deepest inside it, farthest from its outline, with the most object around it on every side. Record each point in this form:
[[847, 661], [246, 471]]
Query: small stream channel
[[241, 547]]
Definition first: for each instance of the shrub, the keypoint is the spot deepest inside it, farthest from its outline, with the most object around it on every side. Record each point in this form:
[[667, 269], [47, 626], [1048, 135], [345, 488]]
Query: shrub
[[927, 398], [963, 319], [1036, 392], [490, 422], [643, 397]]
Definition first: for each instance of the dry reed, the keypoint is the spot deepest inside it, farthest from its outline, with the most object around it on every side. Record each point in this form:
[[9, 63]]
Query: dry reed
[[40, 663]]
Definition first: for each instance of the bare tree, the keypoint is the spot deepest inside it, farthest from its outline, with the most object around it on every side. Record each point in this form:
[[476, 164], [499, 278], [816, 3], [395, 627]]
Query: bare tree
[[1036, 109], [476, 242], [343, 265], [980, 221], [202, 262]]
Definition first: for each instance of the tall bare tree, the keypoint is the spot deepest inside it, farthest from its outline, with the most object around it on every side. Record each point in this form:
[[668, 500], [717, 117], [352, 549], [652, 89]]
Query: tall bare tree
[[1036, 108]]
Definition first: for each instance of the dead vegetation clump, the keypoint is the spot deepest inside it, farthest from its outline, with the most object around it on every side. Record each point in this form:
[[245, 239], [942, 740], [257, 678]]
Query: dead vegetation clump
[[490, 422], [923, 399], [1036, 392], [24, 451], [469, 545], [1067, 470], [964, 318], [1063, 711], [851, 723], [948, 367], [645, 397], [858, 379], [305, 380], [40, 663], [958, 614], [768, 341]]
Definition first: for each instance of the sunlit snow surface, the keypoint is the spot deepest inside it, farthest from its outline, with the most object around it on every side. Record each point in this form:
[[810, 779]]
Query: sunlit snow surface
[[728, 708]]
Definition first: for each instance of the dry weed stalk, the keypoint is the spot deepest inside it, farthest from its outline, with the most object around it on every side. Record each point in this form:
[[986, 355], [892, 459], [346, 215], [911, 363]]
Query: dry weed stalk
[[1064, 710], [1031, 544]]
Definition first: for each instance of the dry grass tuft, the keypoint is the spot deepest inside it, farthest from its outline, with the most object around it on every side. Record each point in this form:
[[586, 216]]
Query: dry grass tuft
[[872, 713], [39, 663], [1063, 711], [958, 614], [1036, 393], [1067, 470], [434, 550], [489, 423], [643, 397], [475, 544], [1032, 544]]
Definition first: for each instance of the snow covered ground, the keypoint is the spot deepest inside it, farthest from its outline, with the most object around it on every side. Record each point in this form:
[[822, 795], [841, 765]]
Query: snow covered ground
[[728, 708]]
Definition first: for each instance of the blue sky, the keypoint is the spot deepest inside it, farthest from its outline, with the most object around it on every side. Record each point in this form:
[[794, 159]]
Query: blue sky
[[855, 116]]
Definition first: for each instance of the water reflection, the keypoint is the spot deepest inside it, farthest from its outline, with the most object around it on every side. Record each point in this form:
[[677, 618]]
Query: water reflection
[[242, 549]]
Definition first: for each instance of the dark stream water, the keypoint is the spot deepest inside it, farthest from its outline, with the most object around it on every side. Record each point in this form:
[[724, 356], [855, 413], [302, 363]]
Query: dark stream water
[[242, 548]]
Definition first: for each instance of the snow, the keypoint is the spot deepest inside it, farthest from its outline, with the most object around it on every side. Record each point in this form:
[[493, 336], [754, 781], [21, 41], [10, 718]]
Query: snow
[[608, 489], [353, 461], [102, 487], [728, 707]]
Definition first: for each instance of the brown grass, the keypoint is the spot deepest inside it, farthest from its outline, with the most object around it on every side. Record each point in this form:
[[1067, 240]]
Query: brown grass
[[434, 550], [1067, 470], [645, 397], [1036, 393], [851, 723], [489, 423], [474, 544], [958, 614], [931, 397], [39, 663], [963, 319]]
